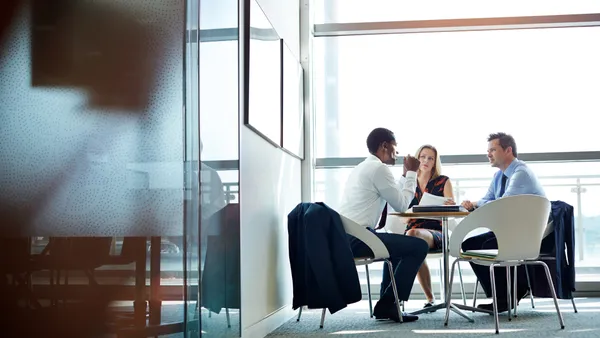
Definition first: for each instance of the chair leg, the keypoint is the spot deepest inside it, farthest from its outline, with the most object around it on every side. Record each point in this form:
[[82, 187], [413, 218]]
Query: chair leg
[[462, 286], [515, 300], [299, 314], [508, 293], [322, 319], [228, 319], [397, 300], [475, 292], [529, 286], [573, 302], [494, 301], [449, 292], [551, 285], [369, 291], [441, 270]]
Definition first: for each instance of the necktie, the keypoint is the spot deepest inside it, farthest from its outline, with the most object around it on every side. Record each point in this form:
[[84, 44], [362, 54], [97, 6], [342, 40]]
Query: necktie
[[383, 218], [503, 187]]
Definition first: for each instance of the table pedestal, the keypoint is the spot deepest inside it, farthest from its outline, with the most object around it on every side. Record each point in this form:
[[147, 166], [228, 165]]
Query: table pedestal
[[445, 287]]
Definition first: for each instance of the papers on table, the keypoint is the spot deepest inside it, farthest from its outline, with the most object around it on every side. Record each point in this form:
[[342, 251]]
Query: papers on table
[[429, 199]]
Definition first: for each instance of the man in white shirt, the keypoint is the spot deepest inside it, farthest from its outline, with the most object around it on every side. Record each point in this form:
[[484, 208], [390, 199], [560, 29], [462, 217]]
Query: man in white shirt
[[370, 187]]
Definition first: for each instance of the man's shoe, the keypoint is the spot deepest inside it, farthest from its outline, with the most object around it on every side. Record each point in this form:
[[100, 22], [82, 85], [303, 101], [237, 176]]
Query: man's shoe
[[389, 311], [381, 310], [406, 318], [502, 307]]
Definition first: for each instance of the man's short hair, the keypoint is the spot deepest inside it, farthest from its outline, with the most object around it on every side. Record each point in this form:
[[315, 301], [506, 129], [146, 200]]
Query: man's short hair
[[377, 137], [505, 141]]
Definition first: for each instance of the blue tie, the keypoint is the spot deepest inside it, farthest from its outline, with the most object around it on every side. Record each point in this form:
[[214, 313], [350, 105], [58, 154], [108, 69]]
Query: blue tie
[[503, 187]]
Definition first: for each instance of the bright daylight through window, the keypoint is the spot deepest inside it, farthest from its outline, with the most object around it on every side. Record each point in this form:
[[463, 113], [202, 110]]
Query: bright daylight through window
[[335, 11], [452, 89]]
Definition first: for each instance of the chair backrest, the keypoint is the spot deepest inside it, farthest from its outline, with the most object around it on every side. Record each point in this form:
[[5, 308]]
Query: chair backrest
[[517, 221], [367, 237]]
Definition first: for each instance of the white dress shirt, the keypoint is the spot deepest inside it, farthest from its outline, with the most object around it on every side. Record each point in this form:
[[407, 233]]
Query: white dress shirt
[[370, 185]]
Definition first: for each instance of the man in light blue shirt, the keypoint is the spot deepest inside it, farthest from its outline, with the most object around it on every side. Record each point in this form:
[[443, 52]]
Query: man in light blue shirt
[[513, 178]]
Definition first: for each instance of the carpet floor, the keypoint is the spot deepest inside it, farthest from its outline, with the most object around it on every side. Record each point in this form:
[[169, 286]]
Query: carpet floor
[[540, 321]]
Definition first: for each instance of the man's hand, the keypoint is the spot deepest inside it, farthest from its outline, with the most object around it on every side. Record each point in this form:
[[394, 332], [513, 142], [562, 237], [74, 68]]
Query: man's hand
[[468, 205], [411, 164]]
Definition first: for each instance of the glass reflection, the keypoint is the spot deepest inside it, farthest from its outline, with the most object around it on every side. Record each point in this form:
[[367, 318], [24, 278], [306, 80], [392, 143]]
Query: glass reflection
[[192, 244], [219, 265]]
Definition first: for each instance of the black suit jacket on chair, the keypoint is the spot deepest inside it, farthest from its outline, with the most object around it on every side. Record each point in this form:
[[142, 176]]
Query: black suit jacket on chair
[[323, 271], [558, 251]]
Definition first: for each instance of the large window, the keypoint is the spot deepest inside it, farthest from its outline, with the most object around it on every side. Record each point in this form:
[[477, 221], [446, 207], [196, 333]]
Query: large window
[[577, 183], [333, 11], [218, 90], [452, 89]]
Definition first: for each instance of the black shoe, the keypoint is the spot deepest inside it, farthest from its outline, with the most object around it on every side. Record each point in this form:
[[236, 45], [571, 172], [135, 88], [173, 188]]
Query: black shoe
[[406, 318], [386, 310], [382, 308], [428, 305], [502, 307]]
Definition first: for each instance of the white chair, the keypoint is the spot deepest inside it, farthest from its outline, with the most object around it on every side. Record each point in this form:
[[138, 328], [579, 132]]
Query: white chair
[[549, 230], [380, 254], [518, 223]]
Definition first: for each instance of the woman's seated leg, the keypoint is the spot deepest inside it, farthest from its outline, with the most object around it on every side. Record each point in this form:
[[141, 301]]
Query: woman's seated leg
[[424, 276]]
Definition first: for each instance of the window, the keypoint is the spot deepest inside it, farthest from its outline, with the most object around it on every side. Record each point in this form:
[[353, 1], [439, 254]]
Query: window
[[580, 187], [219, 117], [453, 89], [335, 11]]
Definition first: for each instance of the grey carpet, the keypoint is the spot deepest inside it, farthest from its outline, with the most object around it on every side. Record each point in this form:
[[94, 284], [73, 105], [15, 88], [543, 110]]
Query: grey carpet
[[213, 325], [541, 321]]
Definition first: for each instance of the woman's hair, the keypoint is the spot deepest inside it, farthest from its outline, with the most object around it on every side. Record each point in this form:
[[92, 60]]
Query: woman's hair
[[436, 171]]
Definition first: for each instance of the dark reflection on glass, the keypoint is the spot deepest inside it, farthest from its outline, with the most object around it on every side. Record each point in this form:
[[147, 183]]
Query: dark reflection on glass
[[219, 290]]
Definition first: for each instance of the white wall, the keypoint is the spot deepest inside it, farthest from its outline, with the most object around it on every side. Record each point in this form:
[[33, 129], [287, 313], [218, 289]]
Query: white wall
[[270, 187], [269, 190]]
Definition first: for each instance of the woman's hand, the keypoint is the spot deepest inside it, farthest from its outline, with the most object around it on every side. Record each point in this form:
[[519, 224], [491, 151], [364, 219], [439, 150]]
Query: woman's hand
[[449, 201]]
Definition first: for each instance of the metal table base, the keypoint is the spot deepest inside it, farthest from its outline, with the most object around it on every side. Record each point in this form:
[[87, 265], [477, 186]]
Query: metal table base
[[457, 308]]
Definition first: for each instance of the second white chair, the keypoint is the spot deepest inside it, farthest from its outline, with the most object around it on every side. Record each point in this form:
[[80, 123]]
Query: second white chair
[[518, 223]]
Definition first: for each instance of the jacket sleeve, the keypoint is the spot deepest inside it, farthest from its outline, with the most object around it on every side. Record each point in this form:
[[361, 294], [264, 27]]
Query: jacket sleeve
[[317, 222], [559, 249], [297, 268], [343, 262], [570, 240]]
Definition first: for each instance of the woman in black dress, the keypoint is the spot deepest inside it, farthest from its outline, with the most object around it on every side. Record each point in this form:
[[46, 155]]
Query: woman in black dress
[[430, 180]]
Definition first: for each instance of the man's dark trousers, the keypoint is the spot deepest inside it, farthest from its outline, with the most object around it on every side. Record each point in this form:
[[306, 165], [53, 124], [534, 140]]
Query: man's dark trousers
[[406, 254], [488, 241]]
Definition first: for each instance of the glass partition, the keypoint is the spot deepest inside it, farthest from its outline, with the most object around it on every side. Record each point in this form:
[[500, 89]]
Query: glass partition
[[92, 142], [218, 171]]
